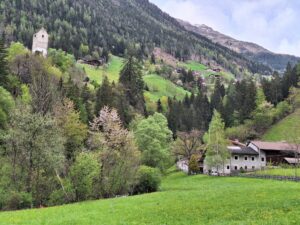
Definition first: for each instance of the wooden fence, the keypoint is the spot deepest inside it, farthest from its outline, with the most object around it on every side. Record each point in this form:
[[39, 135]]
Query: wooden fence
[[272, 177]]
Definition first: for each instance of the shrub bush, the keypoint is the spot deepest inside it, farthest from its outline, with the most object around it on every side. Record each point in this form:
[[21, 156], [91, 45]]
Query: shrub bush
[[148, 180], [193, 165], [18, 200]]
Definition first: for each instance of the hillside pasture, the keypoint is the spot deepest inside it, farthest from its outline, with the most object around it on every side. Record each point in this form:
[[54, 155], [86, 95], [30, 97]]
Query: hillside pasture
[[182, 200], [289, 172], [111, 70], [285, 130], [160, 87]]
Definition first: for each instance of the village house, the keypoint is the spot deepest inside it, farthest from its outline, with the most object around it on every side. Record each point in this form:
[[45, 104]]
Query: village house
[[255, 155], [40, 42], [242, 158], [277, 152]]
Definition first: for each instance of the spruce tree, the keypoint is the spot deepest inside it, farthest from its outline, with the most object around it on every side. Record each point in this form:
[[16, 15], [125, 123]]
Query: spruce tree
[[104, 96], [132, 81], [159, 106], [3, 65]]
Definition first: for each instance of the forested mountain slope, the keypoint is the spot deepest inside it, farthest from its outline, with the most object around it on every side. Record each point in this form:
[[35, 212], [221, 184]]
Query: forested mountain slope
[[89, 26], [247, 49]]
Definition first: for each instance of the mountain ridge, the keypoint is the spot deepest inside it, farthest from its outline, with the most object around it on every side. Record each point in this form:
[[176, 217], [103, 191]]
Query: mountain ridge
[[250, 50], [115, 25]]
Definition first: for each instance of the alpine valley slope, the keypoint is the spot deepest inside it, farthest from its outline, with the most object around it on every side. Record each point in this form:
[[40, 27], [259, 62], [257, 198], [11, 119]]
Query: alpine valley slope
[[114, 25], [249, 50]]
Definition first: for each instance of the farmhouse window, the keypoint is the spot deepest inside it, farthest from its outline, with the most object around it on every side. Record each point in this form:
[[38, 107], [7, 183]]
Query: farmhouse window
[[235, 167], [236, 157], [253, 167], [246, 158], [228, 167], [263, 159], [246, 167], [253, 159]]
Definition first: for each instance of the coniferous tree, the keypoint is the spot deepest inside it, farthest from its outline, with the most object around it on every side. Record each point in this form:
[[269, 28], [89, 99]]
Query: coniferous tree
[[3, 65], [217, 96], [104, 96], [159, 106], [133, 84]]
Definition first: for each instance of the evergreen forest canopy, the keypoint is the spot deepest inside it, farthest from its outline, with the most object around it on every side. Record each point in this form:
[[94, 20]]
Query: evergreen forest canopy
[[93, 27]]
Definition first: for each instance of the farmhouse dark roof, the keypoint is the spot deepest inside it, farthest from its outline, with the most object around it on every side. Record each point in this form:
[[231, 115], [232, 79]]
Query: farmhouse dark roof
[[242, 150], [275, 146]]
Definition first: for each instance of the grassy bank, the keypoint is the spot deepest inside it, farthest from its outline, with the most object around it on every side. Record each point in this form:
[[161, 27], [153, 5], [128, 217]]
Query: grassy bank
[[182, 200], [284, 130]]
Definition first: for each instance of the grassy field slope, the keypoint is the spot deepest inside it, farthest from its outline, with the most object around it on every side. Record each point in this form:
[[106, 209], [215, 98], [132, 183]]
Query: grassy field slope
[[288, 129], [112, 70], [159, 87], [282, 130], [192, 65], [183, 200], [291, 172]]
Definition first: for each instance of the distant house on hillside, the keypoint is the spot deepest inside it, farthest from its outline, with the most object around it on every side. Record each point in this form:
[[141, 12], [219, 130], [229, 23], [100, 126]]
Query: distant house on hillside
[[92, 62], [40, 42]]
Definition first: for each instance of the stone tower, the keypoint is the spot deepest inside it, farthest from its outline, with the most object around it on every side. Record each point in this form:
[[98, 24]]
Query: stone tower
[[40, 42]]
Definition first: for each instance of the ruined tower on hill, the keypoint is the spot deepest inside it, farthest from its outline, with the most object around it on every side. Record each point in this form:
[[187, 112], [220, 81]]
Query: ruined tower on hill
[[40, 42]]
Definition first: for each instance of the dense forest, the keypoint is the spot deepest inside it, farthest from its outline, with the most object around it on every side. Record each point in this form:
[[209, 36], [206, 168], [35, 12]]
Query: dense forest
[[91, 27]]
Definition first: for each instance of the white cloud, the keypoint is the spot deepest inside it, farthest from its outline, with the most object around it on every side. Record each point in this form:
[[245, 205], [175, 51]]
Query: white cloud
[[270, 23]]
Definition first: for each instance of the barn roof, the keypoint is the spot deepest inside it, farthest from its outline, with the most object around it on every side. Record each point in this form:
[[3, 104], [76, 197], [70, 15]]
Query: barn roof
[[237, 150], [292, 160], [275, 146]]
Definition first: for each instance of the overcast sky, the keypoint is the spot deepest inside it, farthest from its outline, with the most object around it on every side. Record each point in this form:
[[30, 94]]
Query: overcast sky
[[274, 24]]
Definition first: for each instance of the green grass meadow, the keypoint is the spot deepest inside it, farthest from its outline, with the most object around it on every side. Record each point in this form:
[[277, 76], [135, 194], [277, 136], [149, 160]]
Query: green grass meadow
[[192, 65], [291, 172], [182, 200], [160, 87], [112, 70], [284, 129]]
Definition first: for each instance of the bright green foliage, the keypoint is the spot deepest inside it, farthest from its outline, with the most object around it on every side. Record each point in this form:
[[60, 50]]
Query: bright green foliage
[[25, 97], [194, 165], [15, 49], [216, 141], [211, 201], [73, 129], [148, 180], [61, 59], [6, 105], [154, 139], [84, 174], [84, 49], [34, 148]]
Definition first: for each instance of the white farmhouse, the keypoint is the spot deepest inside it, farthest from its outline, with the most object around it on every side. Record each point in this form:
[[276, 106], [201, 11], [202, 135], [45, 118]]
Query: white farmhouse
[[242, 158], [40, 42]]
